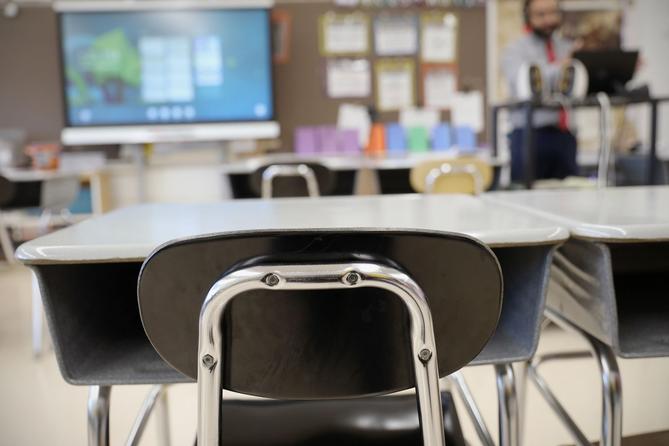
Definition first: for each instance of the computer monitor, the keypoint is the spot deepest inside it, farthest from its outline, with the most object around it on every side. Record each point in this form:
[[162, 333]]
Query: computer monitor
[[154, 71], [608, 70]]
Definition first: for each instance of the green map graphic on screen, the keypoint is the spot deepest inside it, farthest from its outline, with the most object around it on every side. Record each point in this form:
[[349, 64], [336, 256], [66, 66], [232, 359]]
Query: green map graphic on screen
[[112, 62]]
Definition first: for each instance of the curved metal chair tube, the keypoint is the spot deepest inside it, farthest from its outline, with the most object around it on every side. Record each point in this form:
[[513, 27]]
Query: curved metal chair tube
[[448, 169], [155, 400], [289, 170], [98, 415], [533, 374], [472, 408], [508, 405], [611, 429], [315, 277]]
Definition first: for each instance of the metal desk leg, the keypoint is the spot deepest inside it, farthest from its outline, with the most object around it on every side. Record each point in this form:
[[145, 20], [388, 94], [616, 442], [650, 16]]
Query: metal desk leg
[[6, 242], [508, 405], [98, 415], [529, 147], [612, 413], [155, 400], [472, 409], [37, 319], [163, 418], [652, 157]]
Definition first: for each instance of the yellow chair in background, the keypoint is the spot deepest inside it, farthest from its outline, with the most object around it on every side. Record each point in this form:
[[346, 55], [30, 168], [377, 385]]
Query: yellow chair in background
[[465, 175]]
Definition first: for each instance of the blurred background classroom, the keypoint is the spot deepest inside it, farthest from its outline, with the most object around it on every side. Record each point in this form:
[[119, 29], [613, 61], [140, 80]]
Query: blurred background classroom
[[108, 104]]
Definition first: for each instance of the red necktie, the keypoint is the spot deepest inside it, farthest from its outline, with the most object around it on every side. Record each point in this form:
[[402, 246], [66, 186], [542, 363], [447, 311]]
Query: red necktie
[[550, 55]]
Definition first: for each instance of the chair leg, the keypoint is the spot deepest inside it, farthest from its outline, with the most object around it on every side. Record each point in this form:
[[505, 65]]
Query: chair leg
[[37, 318], [98, 415], [508, 405], [156, 401], [6, 243], [163, 418], [611, 381], [326, 276], [472, 409]]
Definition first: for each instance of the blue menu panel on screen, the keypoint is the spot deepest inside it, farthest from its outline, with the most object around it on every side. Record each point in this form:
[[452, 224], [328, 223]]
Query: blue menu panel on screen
[[166, 67]]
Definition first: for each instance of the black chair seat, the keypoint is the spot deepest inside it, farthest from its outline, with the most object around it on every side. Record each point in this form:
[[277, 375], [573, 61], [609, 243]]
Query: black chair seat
[[382, 421]]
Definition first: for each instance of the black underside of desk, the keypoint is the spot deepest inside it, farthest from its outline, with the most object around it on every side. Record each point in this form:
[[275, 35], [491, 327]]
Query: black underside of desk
[[641, 277], [98, 336], [94, 321], [617, 292]]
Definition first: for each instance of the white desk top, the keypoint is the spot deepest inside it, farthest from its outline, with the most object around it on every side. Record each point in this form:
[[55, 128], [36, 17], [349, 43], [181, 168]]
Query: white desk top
[[389, 161], [131, 234], [622, 214], [24, 175]]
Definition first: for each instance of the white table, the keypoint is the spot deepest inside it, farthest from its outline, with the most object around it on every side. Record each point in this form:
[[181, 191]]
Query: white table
[[611, 279], [100, 259]]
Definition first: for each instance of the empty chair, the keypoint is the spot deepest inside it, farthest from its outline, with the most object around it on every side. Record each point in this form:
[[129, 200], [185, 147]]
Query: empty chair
[[51, 195], [465, 175], [332, 316], [292, 180]]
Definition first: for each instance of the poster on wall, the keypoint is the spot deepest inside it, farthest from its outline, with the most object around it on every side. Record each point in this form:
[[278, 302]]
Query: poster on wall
[[348, 78], [439, 37], [395, 84], [467, 110], [440, 84], [344, 34], [396, 35], [281, 35]]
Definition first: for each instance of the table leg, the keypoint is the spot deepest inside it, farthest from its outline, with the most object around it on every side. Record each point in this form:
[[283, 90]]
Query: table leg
[[98, 415], [508, 405], [652, 156], [612, 411], [37, 320], [163, 418], [472, 409]]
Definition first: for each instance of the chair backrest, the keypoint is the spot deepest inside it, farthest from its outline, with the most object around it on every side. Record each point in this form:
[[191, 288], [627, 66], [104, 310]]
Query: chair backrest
[[291, 180], [54, 194], [321, 343], [7, 191], [59, 193], [465, 175]]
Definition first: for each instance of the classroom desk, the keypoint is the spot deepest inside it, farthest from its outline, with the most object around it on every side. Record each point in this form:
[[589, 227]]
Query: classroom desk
[[88, 272], [389, 161], [390, 172], [610, 278]]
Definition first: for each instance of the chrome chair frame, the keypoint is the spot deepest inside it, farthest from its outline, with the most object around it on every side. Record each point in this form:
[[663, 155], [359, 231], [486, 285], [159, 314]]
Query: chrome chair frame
[[448, 169], [289, 170], [509, 419], [317, 277], [612, 412], [99, 398]]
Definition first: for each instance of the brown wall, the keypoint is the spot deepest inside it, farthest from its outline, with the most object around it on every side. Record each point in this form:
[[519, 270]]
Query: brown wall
[[300, 90], [29, 80], [30, 94]]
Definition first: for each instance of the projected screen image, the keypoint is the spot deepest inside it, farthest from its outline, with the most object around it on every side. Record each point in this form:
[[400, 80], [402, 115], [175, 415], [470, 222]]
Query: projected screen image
[[166, 67]]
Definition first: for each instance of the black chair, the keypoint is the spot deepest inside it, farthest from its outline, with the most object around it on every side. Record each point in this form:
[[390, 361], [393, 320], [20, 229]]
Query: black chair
[[325, 322], [292, 180]]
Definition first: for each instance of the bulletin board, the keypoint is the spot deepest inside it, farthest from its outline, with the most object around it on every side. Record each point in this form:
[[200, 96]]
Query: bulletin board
[[301, 94], [30, 92]]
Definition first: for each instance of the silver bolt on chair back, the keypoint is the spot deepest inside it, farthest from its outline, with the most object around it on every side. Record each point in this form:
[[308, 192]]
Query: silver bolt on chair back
[[320, 315]]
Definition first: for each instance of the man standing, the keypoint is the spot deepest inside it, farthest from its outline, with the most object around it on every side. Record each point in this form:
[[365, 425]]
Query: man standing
[[542, 47]]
